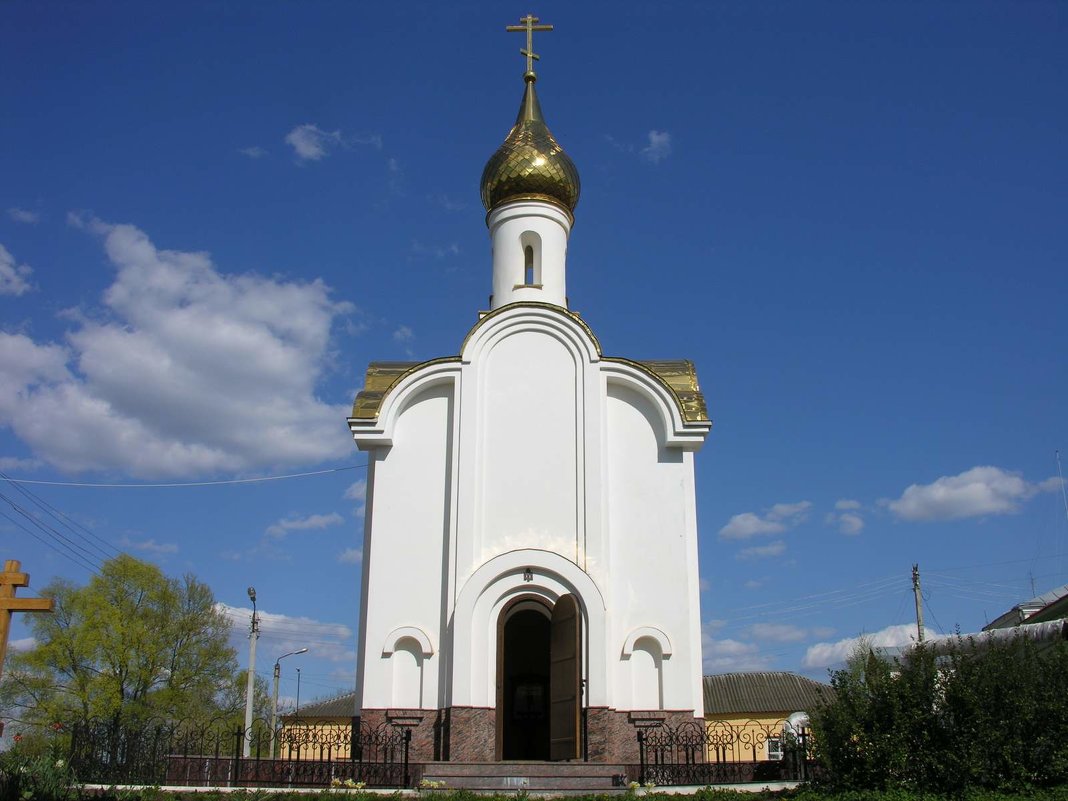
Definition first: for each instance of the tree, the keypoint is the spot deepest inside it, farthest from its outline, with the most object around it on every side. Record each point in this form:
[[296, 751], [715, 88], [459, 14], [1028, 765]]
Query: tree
[[130, 645]]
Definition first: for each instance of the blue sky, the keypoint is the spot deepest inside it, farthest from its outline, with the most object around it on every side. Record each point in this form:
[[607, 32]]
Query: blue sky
[[851, 216]]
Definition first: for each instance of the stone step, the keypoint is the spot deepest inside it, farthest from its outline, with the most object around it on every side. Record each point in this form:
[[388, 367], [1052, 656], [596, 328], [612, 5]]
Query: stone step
[[576, 777]]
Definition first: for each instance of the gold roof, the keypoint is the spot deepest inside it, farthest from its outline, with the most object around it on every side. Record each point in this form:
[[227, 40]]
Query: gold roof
[[380, 378], [678, 375], [530, 163]]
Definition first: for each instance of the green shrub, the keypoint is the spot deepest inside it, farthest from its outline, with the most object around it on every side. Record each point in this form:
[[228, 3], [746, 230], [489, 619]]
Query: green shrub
[[989, 718]]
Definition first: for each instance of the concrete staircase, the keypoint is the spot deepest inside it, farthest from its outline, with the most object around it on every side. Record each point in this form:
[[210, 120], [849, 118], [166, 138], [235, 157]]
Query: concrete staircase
[[558, 778]]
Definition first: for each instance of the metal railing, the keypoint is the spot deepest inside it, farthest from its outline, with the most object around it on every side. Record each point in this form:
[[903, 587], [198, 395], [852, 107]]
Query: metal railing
[[209, 754], [723, 753]]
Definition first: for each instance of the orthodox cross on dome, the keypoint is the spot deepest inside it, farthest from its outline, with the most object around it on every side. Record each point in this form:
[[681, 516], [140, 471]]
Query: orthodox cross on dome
[[529, 25]]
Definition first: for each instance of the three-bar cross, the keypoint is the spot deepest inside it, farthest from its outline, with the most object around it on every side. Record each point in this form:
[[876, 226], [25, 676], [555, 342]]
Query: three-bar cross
[[10, 579], [529, 25]]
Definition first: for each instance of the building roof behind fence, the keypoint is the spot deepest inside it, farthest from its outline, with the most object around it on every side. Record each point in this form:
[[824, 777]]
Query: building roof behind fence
[[761, 692], [341, 706]]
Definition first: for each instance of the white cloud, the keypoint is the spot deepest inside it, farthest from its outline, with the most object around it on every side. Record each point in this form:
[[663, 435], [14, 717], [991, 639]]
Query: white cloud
[[1051, 484], [149, 546], [793, 513], [23, 644], [775, 520], [777, 632], [9, 463], [332, 641], [23, 215], [254, 152], [350, 556], [754, 584], [659, 147], [310, 523], [14, 278], [785, 632], [705, 585], [728, 655], [357, 491], [973, 493], [828, 654], [776, 548], [846, 516], [847, 522], [747, 524], [375, 140], [312, 143], [185, 370], [403, 334]]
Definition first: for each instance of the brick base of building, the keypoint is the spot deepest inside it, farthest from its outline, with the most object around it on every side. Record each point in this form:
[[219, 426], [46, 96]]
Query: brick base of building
[[469, 734]]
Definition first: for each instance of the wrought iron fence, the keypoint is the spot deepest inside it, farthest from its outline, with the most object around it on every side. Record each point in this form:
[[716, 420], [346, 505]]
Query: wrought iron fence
[[212, 753], [723, 753]]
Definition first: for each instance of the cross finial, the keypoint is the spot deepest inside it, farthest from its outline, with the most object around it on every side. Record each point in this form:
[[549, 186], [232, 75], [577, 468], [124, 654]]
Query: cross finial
[[529, 26]]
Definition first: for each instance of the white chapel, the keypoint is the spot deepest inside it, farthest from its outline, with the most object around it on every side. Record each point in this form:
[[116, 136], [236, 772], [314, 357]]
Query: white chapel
[[530, 576]]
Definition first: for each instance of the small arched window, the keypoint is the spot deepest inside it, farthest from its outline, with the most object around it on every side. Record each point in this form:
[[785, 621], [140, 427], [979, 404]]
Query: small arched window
[[528, 266]]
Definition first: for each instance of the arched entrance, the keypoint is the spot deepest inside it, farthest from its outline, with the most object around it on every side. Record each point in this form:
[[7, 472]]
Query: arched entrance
[[538, 679]]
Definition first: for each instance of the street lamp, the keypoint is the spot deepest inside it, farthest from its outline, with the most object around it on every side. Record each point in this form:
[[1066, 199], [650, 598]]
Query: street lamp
[[274, 703], [253, 635]]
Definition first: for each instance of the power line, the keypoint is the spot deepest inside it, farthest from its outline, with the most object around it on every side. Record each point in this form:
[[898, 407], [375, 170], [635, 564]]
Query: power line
[[64, 520], [771, 605], [934, 617], [73, 556], [177, 484], [64, 541]]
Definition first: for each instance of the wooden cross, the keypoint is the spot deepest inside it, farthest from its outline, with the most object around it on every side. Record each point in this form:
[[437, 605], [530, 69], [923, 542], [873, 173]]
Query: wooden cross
[[529, 26], [10, 579]]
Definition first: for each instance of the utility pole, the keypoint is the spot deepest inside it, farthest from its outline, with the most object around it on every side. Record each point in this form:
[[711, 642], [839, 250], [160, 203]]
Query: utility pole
[[919, 601], [250, 690], [274, 703]]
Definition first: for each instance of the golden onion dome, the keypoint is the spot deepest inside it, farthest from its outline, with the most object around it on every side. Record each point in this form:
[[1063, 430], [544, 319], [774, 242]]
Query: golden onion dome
[[530, 163]]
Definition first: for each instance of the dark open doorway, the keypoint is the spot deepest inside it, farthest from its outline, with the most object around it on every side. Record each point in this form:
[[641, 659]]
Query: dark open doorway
[[523, 681], [539, 669]]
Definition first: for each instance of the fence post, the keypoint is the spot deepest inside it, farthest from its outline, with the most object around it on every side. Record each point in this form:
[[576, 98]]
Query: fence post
[[235, 771], [641, 757], [407, 742]]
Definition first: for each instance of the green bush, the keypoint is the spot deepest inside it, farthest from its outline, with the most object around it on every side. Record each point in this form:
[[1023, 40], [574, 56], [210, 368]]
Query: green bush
[[975, 718]]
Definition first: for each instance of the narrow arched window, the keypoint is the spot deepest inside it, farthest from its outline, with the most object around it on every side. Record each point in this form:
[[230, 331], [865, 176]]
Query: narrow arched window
[[528, 265]]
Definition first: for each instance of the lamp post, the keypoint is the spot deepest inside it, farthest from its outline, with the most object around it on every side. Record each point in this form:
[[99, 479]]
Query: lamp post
[[253, 635], [274, 703]]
